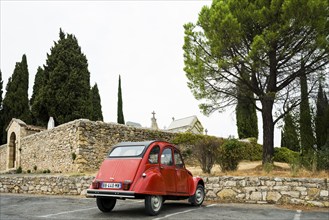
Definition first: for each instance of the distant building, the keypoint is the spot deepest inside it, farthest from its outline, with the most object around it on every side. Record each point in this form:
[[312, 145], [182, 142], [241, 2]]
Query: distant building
[[189, 124], [133, 124]]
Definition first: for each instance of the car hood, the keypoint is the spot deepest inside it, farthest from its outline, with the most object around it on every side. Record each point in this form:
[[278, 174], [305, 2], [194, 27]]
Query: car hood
[[118, 170]]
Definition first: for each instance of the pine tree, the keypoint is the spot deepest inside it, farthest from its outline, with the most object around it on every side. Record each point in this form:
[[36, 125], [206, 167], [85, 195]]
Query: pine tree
[[321, 124], [39, 110], [307, 139], [67, 84], [246, 117], [289, 134], [97, 114], [120, 118], [16, 102]]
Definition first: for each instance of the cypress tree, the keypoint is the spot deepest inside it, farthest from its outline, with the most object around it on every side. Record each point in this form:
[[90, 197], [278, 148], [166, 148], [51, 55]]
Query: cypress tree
[[1, 112], [1, 84], [307, 139], [39, 109], [120, 118], [289, 134], [16, 102], [321, 124], [97, 114], [67, 88], [246, 116]]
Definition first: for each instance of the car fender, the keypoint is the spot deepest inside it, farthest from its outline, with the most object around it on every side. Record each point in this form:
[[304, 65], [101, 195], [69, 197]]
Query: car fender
[[195, 182], [151, 183]]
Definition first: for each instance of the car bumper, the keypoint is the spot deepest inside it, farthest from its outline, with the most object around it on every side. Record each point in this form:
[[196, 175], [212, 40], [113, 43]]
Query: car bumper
[[93, 193]]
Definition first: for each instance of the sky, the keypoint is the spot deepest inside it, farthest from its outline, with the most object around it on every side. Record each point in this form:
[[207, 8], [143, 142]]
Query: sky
[[140, 40]]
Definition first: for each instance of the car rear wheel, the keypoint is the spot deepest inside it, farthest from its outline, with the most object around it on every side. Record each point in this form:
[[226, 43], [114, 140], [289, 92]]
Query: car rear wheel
[[105, 204], [198, 197], [153, 204]]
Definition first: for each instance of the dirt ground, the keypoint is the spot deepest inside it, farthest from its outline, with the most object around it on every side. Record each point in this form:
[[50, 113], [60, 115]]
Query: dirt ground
[[254, 168]]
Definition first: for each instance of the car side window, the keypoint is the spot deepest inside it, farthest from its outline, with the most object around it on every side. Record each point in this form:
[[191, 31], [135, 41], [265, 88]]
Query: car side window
[[178, 159], [166, 157], [154, 155]]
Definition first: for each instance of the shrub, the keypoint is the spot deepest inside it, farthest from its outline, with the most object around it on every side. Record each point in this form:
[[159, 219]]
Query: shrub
[[202, 148], [28, 171], [251, 150], [35, 168], [19, 170], [285, 155], [229, 155], [205, 151], [323, 159], [73, 156]]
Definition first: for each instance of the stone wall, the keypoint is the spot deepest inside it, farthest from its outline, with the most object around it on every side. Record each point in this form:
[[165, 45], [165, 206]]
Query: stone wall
[[97, 138], [45, 184], [262, 190], [77, 146], [274, 190], [3, 157]]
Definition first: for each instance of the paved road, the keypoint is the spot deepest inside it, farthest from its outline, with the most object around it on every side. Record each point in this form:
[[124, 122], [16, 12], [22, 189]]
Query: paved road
[[13, 206]]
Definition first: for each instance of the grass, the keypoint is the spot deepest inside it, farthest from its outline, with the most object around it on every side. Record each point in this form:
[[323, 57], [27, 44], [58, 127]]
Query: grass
[[255, 168]]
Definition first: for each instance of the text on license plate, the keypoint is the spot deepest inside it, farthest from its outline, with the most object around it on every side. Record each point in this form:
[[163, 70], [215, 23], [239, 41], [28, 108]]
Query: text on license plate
[[111, 185]]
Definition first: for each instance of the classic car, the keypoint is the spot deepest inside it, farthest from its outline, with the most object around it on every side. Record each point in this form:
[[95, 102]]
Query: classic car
[[153, 171]]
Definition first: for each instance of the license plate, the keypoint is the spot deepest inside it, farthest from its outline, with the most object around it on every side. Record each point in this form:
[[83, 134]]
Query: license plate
[[111, 185]]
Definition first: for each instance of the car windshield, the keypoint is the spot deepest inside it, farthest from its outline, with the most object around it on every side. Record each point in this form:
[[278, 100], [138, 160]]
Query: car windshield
[[127, 151]]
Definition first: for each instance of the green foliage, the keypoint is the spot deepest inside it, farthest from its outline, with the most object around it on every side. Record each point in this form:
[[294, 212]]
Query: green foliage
[[289, 135], [16, 102], [1, 111], [285, 155], [251, 150], [73, 156], [120, 118], [35, 168], [268, 167], [19, 170], [66, 88], [321, 118], [38, 100], [246, 117], [260, 39], [1, 86], [307, 139], [323, 159], [229, 155], [202, 147], [97, 114], [28, 171], [46, 171]]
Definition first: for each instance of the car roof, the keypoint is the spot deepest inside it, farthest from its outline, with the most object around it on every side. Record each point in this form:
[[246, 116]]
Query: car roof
[[143, 143]]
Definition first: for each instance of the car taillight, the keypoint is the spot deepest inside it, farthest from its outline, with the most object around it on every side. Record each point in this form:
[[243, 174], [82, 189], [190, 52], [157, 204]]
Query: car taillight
[[126, 184], [95, 184]]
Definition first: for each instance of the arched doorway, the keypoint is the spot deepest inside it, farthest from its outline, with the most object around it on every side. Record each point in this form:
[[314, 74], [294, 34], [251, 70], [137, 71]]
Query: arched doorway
[[12, 151]]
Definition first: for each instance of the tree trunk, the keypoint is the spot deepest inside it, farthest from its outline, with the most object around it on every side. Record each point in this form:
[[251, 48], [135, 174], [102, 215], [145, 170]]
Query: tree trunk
[[268, 130]]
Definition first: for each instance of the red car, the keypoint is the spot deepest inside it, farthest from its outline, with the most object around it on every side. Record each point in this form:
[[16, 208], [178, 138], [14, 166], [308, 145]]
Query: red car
[[152, 170]]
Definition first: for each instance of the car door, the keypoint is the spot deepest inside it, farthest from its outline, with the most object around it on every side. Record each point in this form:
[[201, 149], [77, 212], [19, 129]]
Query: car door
[[181, 174], [168, 171]]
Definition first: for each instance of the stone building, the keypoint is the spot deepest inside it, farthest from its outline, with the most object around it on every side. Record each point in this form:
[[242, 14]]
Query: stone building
[[188, 124], [16, 130]]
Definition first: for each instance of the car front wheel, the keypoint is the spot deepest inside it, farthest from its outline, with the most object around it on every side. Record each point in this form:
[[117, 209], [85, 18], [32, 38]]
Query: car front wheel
[[198, 197], [105, 204], [153, 204]]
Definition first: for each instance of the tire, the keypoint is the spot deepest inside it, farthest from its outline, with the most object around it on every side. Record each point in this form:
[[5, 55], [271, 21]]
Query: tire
[[105, 204], [153, 204], [198, 197]]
